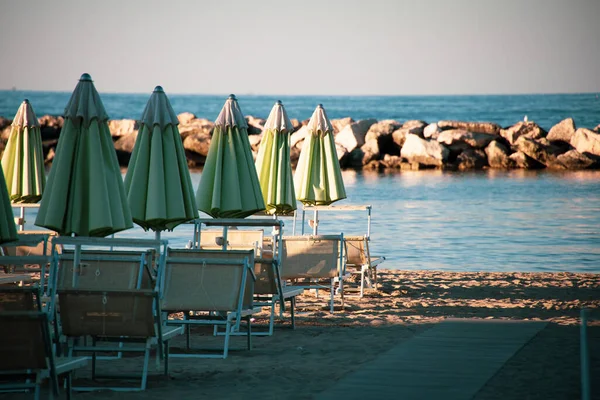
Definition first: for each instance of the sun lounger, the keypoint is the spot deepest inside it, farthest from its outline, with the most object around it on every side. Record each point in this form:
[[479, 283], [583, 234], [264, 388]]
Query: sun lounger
[[359, 261], [236, 240], [27, 354], [112, 298], [217, 286], [314, 262]]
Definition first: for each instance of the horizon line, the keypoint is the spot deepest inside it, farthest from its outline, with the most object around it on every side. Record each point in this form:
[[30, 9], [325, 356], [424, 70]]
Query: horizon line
[[252, 94]]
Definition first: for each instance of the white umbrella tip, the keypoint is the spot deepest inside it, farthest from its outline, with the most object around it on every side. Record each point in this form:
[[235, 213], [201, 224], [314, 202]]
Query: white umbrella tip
[[26, 101], [232, 97], [85, 78], [279, 103], [158, 89], [319, 105]]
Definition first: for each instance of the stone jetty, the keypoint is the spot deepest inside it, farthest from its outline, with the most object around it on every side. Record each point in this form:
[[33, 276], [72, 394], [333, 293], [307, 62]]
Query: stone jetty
[[387, 144]]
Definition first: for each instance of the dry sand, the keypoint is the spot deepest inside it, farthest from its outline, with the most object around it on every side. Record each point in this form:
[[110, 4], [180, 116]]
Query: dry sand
[[297, 364]]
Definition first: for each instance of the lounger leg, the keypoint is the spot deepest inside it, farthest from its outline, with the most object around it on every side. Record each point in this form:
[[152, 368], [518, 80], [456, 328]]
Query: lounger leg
[[332, 293], [94, 360], [227, 333], [146, 362], [292, 311], [167, 344], [38, 384], [69, 385], [249, 332], [362, 281], [272, 317]]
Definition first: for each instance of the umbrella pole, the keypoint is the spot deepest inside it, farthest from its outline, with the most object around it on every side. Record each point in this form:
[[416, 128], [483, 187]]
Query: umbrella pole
[[22, 220], [157, 235]]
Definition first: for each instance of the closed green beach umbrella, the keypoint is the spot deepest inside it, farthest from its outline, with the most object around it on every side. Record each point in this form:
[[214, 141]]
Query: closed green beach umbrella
[[318, 177], [158, 184], [23, 158], [8, 229], [85, 195], [229, 185], [273, 163]]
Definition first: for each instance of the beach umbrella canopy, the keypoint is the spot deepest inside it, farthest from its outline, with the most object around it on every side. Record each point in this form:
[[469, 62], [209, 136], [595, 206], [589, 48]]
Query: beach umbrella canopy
[[318, 177], [23, 158], [85, 195], [273, 163], [8, 229], [229, 186], [158, 184]]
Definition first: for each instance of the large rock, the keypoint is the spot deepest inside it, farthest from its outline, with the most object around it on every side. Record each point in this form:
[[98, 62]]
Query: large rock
[[573, 159], [477, 127], [462, 139], [125, 143], [198, 143], [416, 126], [382, 128], [540, 150], [185, 118], [562, 132], [432, 131], [417, 150], [352, 159], [295, 123], [255, 125], [298, 137], [122, 127], [522, 160], [597, 128], [4, 122], [254, 141], [399, 135], [353, 135], [196, 126], [50, 127], [340, 123], [379, 140], [530, 130], [586, 141], [471, 159], [498, 156]]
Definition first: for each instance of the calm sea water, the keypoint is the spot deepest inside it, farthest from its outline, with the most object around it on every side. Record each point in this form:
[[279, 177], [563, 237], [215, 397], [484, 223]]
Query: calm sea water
[[505, 110], [476, 221]]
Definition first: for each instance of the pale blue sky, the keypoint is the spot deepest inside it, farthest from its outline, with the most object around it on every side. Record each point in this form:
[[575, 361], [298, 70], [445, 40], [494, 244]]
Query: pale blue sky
[[395, 47]]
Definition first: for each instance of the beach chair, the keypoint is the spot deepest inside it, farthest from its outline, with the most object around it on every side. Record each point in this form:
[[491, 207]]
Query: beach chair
[[27, 355], [314, 262], [211, 287], [109, 296], [359, 261], [32, 250], [268, 291]]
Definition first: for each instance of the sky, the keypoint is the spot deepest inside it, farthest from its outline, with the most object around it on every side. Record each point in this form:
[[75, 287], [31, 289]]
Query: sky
[[303, 47]]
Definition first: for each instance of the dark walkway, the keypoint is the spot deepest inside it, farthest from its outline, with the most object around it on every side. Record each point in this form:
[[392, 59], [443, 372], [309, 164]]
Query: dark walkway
[[452, 360]]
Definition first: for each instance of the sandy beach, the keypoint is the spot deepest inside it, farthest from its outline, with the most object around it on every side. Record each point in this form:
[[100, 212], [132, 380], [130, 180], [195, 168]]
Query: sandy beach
[[298, 364]]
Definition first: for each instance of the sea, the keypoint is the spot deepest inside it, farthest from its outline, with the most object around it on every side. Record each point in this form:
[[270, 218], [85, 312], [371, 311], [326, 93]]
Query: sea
[[518, 220]]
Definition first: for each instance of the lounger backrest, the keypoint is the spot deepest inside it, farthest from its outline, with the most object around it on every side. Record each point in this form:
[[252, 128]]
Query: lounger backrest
[[237, 239], [310, 257], [193, 281], [356, 250], [106, 270], [24, 340], [107, 313], [222, 255]]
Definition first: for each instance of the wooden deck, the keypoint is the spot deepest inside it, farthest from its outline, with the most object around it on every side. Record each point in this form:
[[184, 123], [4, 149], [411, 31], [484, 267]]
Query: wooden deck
[[452, 360]]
